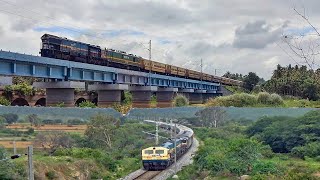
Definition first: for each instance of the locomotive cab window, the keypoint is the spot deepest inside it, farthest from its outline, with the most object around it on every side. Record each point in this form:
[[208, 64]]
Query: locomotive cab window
[[148, 151], [159, 151], [45, 46]]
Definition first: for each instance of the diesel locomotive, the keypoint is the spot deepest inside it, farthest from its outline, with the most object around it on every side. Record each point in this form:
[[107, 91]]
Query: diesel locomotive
[[161, 157], [66, 49]]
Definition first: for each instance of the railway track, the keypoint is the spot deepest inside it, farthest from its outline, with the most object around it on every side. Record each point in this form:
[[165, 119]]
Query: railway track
[[147, 175]]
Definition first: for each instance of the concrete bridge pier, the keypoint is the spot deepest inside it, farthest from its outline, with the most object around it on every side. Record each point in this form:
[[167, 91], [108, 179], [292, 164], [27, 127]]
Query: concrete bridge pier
[[165, 96], [196, 97], [108, 94], [186, 92], [60, 92], [210, 94], [141, 95]]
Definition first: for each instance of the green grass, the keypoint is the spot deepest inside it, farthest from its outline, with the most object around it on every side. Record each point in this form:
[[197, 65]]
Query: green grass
[[290, 162], [301, 103], [235, 89]]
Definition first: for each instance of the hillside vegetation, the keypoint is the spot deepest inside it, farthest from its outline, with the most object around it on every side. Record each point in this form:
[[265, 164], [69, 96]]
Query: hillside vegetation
[[270, 148], [261, 99], [106, 149]]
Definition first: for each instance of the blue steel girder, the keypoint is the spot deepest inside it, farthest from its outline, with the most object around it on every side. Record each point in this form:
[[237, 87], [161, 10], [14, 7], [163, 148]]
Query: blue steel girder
[[27, 65]]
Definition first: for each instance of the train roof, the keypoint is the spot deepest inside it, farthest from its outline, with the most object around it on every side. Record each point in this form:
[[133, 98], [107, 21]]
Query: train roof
[[64, 38], [186, 134], [154, 148], [168, 145]]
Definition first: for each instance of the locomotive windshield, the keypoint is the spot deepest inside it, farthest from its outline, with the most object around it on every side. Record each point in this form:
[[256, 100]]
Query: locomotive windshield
[[159, 151], [148, 151]]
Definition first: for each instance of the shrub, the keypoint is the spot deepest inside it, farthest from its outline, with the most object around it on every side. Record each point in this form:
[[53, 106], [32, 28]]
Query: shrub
[[8, 91], [275, 99], [23, 89], [237, 100], [4, 101], [153, 100], [52, 121], [180, 100], [30, 131], [236, 155], [311, 150], [248, 99], [127, 98], [88, 104], [262, 167], [10, 118], [2, 122], [75, 122], [61, 104], [304, 103], [263, 97], [51, 175]]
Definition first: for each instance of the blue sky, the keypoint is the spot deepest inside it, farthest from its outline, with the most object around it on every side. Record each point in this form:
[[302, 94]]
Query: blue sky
[[299, 31]]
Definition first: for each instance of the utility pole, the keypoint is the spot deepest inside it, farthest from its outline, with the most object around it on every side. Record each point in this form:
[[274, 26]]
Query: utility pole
[[201, 75], [175, 148], [14, 147], [157, 135], [171, 128], [30, 163]]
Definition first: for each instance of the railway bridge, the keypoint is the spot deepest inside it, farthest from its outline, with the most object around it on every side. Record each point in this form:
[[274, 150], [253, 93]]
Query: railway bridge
[[61, 78]]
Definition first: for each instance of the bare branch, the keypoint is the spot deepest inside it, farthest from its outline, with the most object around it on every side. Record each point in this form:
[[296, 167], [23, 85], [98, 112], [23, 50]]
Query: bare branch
[[307, 20]]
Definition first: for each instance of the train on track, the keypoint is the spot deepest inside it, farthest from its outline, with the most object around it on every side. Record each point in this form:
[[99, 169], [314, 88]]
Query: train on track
[[66, 49], [161, 157]]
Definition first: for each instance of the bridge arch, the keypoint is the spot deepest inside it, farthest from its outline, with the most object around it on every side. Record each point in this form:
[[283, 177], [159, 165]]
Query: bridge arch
[[80, 100], [19, 102], [41, 102]]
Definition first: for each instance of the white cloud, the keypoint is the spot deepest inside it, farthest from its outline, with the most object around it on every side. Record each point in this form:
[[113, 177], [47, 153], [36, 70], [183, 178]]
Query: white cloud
[[236, 36]]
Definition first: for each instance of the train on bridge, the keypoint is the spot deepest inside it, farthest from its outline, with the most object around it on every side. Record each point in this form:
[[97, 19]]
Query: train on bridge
[[66, 49]]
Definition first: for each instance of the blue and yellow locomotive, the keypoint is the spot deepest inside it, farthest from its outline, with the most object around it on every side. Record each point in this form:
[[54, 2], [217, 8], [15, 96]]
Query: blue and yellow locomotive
[[161, 157]]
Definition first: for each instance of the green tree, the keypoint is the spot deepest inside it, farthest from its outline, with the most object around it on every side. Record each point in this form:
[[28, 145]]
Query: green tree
[[10, 118], [2, 122], [311, 89], [285, 133], [34, 120], [101, 130], [250, 81], [294, 81], [52, 141], [211, 116]]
